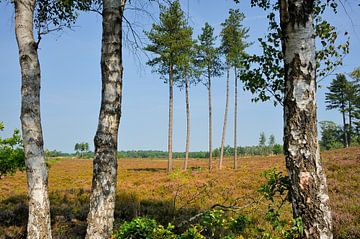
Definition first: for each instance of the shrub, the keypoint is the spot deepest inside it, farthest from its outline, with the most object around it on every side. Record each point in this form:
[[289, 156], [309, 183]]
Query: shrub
[[12, 155], [144, 228]]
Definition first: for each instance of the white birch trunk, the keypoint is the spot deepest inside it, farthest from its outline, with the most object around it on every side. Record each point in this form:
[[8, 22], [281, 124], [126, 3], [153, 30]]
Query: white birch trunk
[[37, 175], [310, 198], [102, 201]]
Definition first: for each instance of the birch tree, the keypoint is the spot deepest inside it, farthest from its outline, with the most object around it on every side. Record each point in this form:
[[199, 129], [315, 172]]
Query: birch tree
[[44, 16], [287, 72], [310, 199], [209, 63], [264, 76], [167, 40], [102, 201]]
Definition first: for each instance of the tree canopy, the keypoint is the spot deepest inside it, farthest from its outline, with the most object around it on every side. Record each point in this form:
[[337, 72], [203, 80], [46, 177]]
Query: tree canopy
[[168, 39]]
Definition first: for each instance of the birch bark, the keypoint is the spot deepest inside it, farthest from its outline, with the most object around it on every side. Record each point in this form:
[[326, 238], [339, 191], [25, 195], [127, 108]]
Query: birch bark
[[310, 198], [102, 201], [37, 174]]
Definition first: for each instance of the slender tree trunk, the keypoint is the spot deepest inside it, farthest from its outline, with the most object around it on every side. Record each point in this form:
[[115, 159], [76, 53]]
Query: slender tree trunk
[[37, 175], [309, 193], [102, 201], [235, 120], [350, 124], [225, 118], [210, 120], [170, 160], [187, 123], [345, 129]]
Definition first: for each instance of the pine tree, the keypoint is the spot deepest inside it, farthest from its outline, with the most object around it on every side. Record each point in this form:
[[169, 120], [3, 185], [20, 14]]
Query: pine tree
[[233, 44], [355, 75], [187, 75], [167, 41], [262, 139], [337, 98], [271, 140], [209, 64]]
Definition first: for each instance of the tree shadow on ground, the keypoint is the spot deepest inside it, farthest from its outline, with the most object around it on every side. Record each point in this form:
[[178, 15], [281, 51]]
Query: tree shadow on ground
[[147, 169], [69, 210], [193, 168]]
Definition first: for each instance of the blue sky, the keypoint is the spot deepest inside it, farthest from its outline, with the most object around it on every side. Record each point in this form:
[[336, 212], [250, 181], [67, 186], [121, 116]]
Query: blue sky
[[71, 85]]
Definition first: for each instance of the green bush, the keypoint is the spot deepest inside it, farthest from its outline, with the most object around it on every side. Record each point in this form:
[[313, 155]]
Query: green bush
[[193, 232], [12, 155], [144, 228], [277, 149]]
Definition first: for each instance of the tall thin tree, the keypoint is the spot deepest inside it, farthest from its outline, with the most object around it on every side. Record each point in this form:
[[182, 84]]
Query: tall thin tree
[[187, 75], [233, 45], [168, 39], [187, 72], [102, 201], [209, 63]]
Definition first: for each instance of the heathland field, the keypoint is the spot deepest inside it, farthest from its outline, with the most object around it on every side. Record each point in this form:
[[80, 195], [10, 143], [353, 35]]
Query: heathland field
[[144, 188]]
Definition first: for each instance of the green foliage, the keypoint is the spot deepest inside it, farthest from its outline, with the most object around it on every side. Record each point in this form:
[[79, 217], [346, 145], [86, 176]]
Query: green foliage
[[344, 95], [12, 155], [221, 224], [277, 184], [55, 153], [207, 55], [144, 228], [81, 148], [264, 74], [331, 135], [55, 15], [193, 232], [228, 151], [262, 139], [214, 224], [239, 224], [277, 149], [355, 74], [277, 191], [337, 96], [232, 35], [168, 39], [271, 140]]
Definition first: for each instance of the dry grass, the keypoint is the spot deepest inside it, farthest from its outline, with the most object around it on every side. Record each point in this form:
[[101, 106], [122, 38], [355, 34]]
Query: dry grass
[[144, 188]]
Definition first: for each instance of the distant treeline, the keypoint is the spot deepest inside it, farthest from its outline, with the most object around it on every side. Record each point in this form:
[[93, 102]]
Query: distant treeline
[[228, 151]]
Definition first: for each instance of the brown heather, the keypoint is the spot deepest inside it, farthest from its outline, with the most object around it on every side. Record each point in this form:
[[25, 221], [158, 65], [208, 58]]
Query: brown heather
[[144, 188]]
